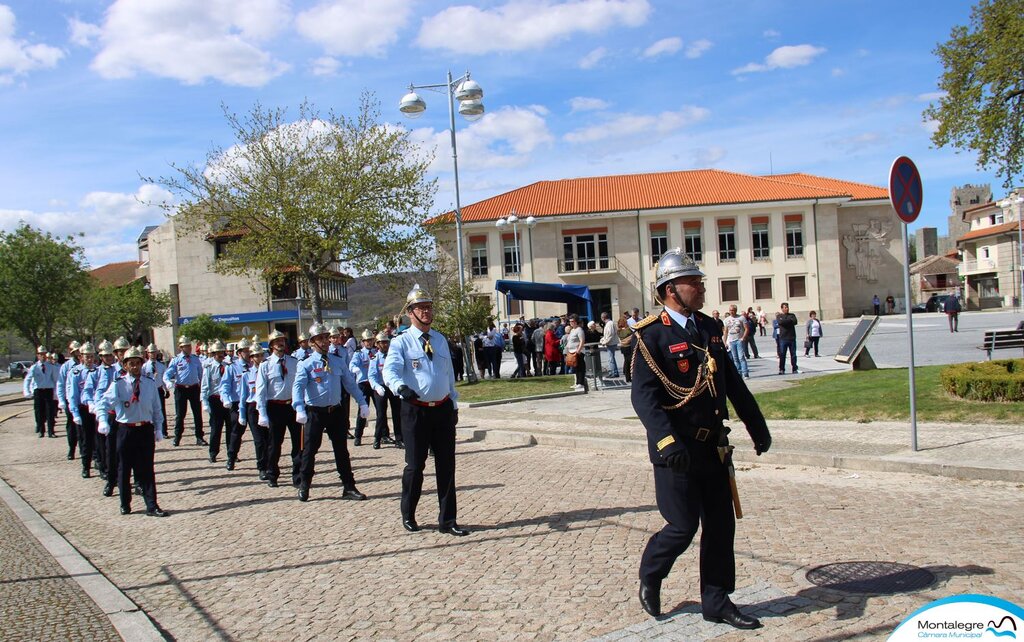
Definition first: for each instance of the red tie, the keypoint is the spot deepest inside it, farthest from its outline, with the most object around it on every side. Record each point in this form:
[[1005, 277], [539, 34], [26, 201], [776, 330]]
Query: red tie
[[135, 391], [284, 368], [222, 369]]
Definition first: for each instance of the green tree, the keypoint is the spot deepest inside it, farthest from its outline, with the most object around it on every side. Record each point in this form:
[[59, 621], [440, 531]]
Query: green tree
[[322, 194], [983, 106], [203, 329], [135, 309], [42, 278], [92, 319]]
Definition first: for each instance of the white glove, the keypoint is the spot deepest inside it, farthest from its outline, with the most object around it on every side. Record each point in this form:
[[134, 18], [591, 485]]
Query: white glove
[[262, 421], [103, 428], [241, 419], [158, 433], [380, 391], [364, 411], [206, 409], [92, 409], [300, 417], [77, 420]]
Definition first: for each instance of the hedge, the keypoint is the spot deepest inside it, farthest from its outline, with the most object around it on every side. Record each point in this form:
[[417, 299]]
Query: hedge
[[986, 381]]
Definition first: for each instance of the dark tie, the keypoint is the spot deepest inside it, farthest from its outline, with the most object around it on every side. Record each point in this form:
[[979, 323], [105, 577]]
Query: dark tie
[[135, 391], [44, 368], [222, 369], [284, 369], [323, 361], [426, 347]]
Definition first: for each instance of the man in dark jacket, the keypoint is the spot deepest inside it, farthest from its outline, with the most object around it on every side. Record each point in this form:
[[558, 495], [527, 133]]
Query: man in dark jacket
[[681, 379], [787, 338]]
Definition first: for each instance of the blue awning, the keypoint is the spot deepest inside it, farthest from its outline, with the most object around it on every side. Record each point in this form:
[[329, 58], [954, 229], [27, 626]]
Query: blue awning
[[268, 316], [555, 292]]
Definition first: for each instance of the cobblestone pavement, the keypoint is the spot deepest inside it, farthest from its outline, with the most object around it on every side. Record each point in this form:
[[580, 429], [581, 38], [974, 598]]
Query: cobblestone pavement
[[554, 552], [38, 600]]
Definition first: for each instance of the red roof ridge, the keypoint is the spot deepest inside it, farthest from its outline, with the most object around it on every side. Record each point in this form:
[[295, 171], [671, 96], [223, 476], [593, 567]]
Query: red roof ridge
[[988, 231]]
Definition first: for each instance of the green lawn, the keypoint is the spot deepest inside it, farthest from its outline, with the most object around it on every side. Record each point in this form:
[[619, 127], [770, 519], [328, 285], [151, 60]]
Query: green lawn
[[494, 389], [879, 395]]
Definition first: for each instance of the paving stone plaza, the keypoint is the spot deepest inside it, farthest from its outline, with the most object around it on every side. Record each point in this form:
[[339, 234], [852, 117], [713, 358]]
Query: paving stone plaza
[[557, 534]]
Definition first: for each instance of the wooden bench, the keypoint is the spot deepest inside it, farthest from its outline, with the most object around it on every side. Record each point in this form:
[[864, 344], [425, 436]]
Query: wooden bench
[[1002, 340]]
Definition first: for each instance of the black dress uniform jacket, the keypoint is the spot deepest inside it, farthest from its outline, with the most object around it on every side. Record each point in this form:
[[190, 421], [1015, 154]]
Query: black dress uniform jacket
[[673, 350]]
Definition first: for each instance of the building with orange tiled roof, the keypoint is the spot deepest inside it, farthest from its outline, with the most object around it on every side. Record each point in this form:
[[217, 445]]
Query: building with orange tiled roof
[[116, 274], [819, 243], [991, 252]]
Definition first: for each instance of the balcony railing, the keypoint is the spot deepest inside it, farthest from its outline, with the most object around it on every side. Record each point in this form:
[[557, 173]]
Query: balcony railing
[[973, 267], [588, 265]]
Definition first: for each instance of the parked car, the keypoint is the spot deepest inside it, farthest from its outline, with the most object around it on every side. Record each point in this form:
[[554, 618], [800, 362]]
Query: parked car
[[919, 307], [17, 369], [937, 302]]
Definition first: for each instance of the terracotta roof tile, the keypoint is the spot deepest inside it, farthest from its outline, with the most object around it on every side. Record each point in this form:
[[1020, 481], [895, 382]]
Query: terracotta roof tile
[[991, 230], [115, 274], [629, 192]]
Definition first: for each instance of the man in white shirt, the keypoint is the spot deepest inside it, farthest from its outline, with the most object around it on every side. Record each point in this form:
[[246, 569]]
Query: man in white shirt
[[610, 342], [735, 333]]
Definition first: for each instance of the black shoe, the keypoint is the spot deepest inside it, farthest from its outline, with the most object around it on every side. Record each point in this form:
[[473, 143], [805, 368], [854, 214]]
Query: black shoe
[[796, 372], [230, 465], [303, 494], [650, 598], [410, 525], [376, 445], [454, 529], [387, 440], [50, 434], [359, 441], [177, 441], [733, 617], [350, 435], [272, 483], [263, 475], [353, 494], [108, 490], [71, 457], [296, 483], [201, 442], [126, 510], [400, 444], [40, 435], [103, 474], [138, 491], [213, 459], [85, 473], [157, 512], [782, 372]]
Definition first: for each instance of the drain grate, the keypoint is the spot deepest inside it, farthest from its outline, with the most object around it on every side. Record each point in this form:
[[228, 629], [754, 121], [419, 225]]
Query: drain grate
[[878, 578]]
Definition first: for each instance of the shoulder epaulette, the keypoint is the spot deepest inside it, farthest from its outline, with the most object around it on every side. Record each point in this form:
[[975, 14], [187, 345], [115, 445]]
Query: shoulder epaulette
[[646, 321]]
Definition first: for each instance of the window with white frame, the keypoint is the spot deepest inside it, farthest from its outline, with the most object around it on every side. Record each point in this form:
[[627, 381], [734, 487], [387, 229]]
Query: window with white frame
[[510, 252], [582, 252], [478, 257], [727, 242], [659, 242], [794, 238], [759, 241], [692, 244]]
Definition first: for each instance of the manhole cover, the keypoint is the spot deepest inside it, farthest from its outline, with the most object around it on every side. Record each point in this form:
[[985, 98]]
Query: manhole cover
[[884, 578]]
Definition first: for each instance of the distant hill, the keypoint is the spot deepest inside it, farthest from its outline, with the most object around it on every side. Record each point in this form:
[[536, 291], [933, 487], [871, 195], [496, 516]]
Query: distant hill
[[380, 295]]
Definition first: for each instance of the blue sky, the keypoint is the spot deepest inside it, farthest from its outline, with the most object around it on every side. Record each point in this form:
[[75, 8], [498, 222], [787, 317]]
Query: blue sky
[[95, 94]]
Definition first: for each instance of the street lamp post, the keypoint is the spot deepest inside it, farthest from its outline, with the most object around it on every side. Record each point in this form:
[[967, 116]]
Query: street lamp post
[[512, 219], [1006, 204], [470, 95]]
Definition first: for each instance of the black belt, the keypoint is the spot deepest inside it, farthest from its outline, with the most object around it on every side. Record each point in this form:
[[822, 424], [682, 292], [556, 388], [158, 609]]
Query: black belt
[[324, 408], [427, 404], [138, 424], [181, 385]]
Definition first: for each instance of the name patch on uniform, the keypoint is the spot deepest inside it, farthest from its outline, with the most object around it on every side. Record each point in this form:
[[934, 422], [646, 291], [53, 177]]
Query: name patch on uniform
[[666, 442], [679, 347], [716, 339]]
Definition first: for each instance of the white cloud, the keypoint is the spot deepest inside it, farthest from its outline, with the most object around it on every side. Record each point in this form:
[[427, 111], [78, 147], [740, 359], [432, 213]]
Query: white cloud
[[838, 72], [663, 47], [708, 156], [932, 96], [526, 24], [582, 103], [18, 57], [784, 58], [629, 125], [325, 66], [500, 140], [354, 27], [770, 34], [697, 48], [930, 126], [191, 40], [105, 224], [83, 34], [590, 60]]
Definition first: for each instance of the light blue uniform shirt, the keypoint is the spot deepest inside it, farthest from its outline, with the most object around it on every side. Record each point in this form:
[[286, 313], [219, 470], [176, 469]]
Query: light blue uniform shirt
[[232, 388], [316, 386], [210, 385], [184, 371], [407, 364], [375, 371], [62, 381], [118, 398], [99, 382], [155, 370], [360, 364], [76, 389], [249, 384], [273, 384], [301, 353], [42, 375]]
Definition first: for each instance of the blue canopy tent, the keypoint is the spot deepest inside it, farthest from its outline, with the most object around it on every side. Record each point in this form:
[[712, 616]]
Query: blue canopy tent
[[555, 292]]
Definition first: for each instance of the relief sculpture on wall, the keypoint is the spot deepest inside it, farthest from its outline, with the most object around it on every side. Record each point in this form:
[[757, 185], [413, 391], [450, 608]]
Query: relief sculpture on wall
[[864, 247]]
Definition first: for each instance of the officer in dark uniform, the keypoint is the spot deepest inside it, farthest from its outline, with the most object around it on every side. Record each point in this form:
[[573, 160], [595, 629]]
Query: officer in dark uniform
[[682, 376]]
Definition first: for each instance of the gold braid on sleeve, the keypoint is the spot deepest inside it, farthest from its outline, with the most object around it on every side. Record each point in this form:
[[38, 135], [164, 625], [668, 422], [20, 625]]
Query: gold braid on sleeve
[[704, 381]]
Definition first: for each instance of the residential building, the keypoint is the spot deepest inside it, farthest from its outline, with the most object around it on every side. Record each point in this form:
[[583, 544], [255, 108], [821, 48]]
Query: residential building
[[934, 275], [182, 266], [819, 243], [991, 255]]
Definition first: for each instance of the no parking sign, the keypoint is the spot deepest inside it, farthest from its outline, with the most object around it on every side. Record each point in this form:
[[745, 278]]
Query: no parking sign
[[905, 191]]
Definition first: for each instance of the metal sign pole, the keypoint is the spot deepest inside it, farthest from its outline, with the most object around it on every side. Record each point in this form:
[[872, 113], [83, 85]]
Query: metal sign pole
[[910, 339]]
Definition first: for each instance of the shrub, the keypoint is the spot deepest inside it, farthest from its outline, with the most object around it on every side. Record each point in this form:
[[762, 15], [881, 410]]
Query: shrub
[[986, 381]]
